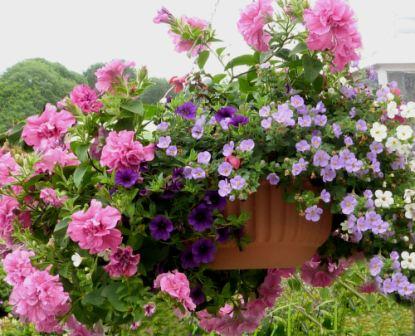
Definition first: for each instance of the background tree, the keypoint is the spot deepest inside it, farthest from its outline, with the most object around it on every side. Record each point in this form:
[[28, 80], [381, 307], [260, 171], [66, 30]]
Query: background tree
[[89, 73], [28, 85]]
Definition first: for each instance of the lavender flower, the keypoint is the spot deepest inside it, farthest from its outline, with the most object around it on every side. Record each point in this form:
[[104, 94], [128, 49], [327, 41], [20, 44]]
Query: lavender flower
[[320, 120], [325, 196], [315, 141], [305, 121], [224, 188], [375, 266], [187, 110], [336, 162], [197, 132], [225, 169], [348, 141], [246, 145], [336, 130], [164, 142], [198, 173], [203, 158], [284, 115], [238, 182], [171, 151], [302, 146], [328, 174], [228, 148], [297, 101], [273, 179], [266, 123], [313, 213], [348, 204], [321, 158], [163, 126], [161, 227], [361, 125], [264, 111], [320, 108], [299, 167], [201, 217], [203, 251]]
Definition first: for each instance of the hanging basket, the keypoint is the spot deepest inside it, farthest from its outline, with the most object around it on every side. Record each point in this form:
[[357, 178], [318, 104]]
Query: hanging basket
[[280, 237]]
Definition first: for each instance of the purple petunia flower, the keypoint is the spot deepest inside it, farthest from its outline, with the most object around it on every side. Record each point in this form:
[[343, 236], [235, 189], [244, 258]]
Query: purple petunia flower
[[226, 112], [187, 259], [325, 196], [201, 217], [313, 213], [246, 145], [361, 125], [228, 149], [299, 167], [203, 157], [238, 119], [171, 151], [273, 179], [197, 295], [164, 142], [223, 234], [225, 169], [161, 227], [348, 204], [238, 182], [321, 158], [213, 200], [187, 110], [126, 177], [203, 250], [302, 146], [315, 141], [225, 188]]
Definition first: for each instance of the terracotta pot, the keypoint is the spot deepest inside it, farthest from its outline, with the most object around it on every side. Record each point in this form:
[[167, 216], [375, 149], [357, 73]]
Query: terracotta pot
[[280, 237]]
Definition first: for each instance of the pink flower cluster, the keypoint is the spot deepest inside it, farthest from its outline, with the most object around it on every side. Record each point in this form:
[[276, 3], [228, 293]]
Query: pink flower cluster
[[246, 319], [77, 329], [319, 274], [50, 196], [8, 208], [95, 229], [331, 26], [251, 24], [86, 99], [122, 262], [53, 157], [177, 286], [111, 74], [8, 169], [37, 296], [47, 130], [122, 151]]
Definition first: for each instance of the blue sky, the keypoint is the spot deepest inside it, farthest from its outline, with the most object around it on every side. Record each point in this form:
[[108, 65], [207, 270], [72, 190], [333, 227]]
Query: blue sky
[[78, 33]]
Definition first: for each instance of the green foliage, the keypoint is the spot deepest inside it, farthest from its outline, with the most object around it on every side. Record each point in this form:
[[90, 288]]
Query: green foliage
[[154, 93], [28, 85]]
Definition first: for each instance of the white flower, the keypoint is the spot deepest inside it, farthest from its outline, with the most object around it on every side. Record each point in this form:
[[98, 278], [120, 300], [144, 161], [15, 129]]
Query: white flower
[[404, 132], [393, 144], [392, 109], [343, 81], [411, 165], [163, 100], [76, 260], [207, 80], [383, 199], [390, 96], [408, 260], [410, 211], [331, 91], [378, 132], [408, 110], [408, 194]]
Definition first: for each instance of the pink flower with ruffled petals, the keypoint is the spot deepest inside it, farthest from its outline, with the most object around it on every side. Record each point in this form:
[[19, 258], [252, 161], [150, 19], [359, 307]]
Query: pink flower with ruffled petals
[[77, 329], [178, 83], [47, 130], [40, 299], [251, 24], [332, 26], [86, 99], [95, 229], [183, 45], [123, 262], [122, 151], [8, 169], [18, 266], [111, 74], [55, 157], [8, 206], [177, 286], [50, 196]]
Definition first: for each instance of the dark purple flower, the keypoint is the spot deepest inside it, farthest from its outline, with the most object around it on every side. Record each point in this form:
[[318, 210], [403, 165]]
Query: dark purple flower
[[201, 217], [238, 119], [223, 234], [214, 200], [197, 295], [187, 110], [161, 227], [126, 177], [187, 259], [177, 173], [225, 112], [203, 251]]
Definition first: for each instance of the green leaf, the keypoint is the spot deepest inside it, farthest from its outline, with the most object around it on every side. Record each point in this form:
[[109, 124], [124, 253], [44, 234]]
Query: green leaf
[[80, 150], [312, 68], [62, 225], [94, 298], [218, 78], [241, 60], [113, 294], [133, 106], [220, 51], [79, 174], [244, 85], [298, 49], [202, 58]]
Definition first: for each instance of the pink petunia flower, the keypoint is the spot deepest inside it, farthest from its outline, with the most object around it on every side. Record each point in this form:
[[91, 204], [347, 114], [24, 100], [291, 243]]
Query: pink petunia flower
[[8, 169], [177, 83], [111, 74], [18, 266], [86, 99], [122, 151], [77, 329], [122, 262], [50, 196], [177, 286], [47, 130], [332, 26], [55, 157], [95, 229], [8, 206], [251, 24], [163, 16], [40, 299]]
